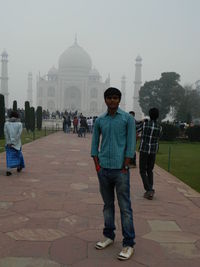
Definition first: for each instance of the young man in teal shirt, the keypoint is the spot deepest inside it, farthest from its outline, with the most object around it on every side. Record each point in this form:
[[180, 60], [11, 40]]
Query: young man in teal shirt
[[116, 128]]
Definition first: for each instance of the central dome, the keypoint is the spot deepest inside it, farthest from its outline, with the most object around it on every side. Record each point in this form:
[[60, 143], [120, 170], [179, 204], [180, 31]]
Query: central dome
[[75, 57]]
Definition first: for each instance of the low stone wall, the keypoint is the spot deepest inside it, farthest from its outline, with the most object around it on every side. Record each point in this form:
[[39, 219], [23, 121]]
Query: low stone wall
[[56, 124]]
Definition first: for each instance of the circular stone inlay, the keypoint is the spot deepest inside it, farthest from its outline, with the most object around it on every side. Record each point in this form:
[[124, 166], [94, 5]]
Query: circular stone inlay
[[36, 234], [82, 164], [55, 163], [5, 205], [49, 156], [79, 186], [24, 262], [30, 180]]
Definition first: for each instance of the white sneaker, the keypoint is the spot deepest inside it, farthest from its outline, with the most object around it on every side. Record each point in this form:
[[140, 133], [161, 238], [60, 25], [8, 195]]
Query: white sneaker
[[104, 244], [126, 253]]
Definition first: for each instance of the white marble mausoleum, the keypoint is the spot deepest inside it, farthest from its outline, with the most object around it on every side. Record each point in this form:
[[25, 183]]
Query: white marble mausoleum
[[75, 85]]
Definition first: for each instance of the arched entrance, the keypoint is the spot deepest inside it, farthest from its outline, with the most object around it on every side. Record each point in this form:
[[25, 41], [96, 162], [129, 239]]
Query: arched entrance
[[51, 105], [72, 99]]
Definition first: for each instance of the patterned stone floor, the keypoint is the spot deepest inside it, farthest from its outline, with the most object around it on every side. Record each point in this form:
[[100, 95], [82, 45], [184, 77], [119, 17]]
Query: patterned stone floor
[[51, 213]]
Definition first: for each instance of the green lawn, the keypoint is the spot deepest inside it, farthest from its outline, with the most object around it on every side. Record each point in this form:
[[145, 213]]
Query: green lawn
[[184, 163], [27, 137]]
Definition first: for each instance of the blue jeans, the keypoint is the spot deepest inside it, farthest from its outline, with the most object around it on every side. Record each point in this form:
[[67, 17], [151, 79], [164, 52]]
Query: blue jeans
[[109, 180], [67, 129]]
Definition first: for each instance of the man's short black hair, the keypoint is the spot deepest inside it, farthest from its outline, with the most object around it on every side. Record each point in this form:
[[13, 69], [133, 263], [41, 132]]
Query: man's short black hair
[[112, 91], [132, 113], [14, 114], [153, 114]]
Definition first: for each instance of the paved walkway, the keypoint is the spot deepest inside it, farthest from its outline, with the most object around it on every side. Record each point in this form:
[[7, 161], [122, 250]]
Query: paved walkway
[[51, 213]]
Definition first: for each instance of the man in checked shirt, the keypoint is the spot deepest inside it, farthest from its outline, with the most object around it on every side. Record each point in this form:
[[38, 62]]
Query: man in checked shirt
[[149, 142]]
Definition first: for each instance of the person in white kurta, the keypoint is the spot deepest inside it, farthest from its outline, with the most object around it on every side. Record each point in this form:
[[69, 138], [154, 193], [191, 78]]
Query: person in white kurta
[[12, 132]]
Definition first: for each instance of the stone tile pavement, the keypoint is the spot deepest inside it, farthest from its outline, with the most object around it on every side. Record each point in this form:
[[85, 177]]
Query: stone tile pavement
[[51, 213]]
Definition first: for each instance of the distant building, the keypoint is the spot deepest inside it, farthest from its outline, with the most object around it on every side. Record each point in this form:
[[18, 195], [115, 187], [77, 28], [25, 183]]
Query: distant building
[[137, 85], [30, 89], [75, 85], [123, 91], [4, 76]]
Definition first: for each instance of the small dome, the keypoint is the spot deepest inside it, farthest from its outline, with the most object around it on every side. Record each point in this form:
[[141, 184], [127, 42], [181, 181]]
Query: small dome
[[53, 71], [75, 57], [138, 58], [4, 54], [94, 72]]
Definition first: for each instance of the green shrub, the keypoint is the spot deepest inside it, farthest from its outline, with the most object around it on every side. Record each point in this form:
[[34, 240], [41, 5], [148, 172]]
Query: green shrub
[[193, 133], [32, 119], [15, 105], [27, 116], [39, 117], [2, 116], [169, 132]]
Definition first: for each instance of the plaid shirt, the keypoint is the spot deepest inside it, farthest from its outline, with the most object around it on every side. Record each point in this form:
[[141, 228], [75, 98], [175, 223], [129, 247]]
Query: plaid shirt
[[150, 134]]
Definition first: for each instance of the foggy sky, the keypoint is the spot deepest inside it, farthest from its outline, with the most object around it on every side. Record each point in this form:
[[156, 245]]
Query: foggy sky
[[166, 34]]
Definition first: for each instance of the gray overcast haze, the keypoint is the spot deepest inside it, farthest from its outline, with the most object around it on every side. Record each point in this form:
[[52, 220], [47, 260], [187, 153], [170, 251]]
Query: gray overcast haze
[[166, 34]]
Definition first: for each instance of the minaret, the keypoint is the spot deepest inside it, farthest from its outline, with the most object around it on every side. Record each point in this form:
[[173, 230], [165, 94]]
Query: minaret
[[30, 89], [137, 85], [107, 81], [123, 91], [4, 76]]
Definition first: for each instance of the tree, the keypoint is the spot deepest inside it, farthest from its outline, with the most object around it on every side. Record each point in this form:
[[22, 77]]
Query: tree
[[151, 96], [39, 117], [169, 132], [32, 119], [163, 94], [27, 115], [189, 107], [175, 90], [15, 105], [2, 116]]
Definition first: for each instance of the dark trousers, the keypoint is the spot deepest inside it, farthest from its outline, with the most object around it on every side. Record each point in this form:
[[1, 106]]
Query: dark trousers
[[146, 165], [82, 132], [75, 129], [133, 160]]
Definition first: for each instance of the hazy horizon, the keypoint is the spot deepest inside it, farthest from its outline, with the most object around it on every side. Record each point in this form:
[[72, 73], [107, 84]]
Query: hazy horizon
[[165, 34]]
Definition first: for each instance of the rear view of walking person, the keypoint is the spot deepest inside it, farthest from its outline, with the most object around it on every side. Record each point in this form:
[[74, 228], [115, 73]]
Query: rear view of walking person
[[12, 131], [83, 127], [150, 134], [75, 124]]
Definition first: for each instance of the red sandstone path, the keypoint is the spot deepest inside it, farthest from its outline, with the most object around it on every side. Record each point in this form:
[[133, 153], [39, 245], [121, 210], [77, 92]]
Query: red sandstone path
[[51, 213]]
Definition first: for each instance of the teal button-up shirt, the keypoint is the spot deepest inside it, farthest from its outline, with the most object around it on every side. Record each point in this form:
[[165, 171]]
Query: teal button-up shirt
[[114, 138]]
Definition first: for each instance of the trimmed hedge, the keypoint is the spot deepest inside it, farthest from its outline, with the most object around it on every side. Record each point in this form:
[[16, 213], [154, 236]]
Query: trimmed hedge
[[193, 133], [32, 119], [39, 117], [15, 105], [2, 116], [169, 132], [27, 115]]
